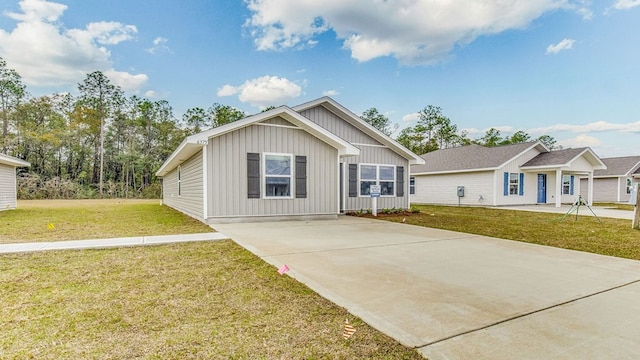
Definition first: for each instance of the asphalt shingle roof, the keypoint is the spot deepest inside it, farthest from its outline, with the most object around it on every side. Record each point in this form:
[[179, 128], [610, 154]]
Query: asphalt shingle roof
[[469, 157], [556, 157], [618, 166]]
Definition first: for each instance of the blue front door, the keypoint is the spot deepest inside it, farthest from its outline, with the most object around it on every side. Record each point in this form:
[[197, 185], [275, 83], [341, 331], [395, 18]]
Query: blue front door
[[542, 188]]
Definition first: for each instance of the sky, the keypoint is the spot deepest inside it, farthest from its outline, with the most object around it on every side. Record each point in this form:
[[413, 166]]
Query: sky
[[565, 68]]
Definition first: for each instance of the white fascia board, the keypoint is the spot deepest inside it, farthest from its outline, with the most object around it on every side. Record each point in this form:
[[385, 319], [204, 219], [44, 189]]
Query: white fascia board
[[194, 143], [12, 161], [365, 127]]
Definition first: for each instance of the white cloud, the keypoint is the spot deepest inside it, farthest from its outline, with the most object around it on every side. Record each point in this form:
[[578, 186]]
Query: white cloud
[[159, 44], [151, 94], [581, 140], [411, 117], [330, 93], [126, 81], [414, 32], [565, 44], [626, 4], [263, 91], [598, 126], [45, 53]]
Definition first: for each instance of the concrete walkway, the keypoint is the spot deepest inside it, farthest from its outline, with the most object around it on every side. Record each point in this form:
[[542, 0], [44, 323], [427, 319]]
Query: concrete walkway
[[109, 243], [460, 296]]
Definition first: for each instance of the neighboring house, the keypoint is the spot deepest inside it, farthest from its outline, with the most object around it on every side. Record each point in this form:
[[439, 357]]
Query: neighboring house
[[614, 184], [518, 174], [316, 159], [8, 192]]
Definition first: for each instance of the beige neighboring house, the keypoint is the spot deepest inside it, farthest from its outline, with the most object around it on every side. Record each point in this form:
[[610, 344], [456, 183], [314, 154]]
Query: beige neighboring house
[[8, 192], [518, 174], [317, 159], [615, 183]]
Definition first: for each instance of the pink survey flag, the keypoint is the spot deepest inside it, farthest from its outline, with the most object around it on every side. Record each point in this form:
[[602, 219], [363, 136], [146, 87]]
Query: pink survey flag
[[283, 269]]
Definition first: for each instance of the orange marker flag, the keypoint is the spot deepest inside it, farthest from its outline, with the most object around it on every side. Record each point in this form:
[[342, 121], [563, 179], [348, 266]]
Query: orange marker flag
[[283, 269], [348, 330], [51, 226]]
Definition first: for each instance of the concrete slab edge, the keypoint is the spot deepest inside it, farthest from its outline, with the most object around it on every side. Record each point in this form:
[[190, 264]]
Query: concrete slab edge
[[527, 314], [371, 319]]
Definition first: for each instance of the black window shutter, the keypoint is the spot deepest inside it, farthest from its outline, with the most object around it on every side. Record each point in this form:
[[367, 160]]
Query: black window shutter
[[400, 181], [253, 175], [301, 177], [353, 180]]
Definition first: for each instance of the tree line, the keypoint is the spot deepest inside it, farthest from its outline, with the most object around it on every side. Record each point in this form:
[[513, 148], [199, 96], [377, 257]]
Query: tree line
[[97, 144], [102, 143], [435, 131]]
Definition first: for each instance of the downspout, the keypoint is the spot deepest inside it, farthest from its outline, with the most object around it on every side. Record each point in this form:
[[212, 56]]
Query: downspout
[[590, 189], [205, 193]]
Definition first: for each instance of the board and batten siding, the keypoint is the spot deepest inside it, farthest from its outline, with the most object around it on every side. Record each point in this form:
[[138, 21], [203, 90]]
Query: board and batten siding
[[227, 172], [189, 201], [376, 155], [442, 189], [7, 187], [371, 152], [330, 121]]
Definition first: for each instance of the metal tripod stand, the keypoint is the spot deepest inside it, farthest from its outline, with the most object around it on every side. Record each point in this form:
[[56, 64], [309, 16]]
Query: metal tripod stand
[[576, 207]]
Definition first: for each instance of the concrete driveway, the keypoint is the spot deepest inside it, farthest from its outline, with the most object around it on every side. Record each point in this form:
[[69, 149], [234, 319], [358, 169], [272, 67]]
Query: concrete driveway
[[460, 296]]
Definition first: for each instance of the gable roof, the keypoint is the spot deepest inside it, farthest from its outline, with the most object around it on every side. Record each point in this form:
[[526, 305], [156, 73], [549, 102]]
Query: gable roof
[[12, 161], [563, 158], [619, 166], [473, 158], [192, 144], [353, 119]]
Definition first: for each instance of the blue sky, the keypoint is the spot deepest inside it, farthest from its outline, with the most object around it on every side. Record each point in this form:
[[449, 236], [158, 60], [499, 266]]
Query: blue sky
[[565, 68]]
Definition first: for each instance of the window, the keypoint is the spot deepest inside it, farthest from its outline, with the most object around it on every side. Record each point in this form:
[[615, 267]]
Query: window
[[277, 175], [179, 181], [629, 186], [514, 183], [567, 184], [412, 185], [383, 175]]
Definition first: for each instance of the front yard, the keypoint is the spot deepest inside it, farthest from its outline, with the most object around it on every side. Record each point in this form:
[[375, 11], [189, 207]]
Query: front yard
[[209, 300]]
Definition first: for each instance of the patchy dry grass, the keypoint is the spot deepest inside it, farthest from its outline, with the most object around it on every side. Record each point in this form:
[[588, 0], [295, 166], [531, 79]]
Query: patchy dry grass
[[210, 300], [55, 220], [613, 237], [617, 206]]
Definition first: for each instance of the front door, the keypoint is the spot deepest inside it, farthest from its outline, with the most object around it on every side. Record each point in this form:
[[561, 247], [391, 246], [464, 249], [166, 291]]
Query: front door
[[542, 188]]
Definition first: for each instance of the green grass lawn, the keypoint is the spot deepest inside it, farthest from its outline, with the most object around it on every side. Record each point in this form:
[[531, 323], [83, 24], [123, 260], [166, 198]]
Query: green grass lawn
[[55, 220], [613, 237], [208, 300]]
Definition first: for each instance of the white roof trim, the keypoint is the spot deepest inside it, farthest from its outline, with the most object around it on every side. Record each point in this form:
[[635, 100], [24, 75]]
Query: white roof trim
[[365, 127], [534, 145], [192, 144], [12, 161]]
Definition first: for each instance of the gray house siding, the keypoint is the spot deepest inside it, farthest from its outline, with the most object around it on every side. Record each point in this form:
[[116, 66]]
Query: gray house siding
[[605, 189], [227, 172], [371, 152], [188, 199], [7, 187]]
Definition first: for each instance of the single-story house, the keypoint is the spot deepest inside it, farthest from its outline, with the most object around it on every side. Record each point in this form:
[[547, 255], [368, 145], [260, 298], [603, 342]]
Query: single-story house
[[615, 183], [8, 191], [517, 174], [316, 159]]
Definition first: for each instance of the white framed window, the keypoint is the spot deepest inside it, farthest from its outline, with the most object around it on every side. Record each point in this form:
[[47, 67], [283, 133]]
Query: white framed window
[[179, 180], [277, 175], [514, 183], [383, 175], [629, 186], [412, 185], [567, 185]]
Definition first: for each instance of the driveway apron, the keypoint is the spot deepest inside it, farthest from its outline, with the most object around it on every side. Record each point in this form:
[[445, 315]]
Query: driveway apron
[[460, 296]]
